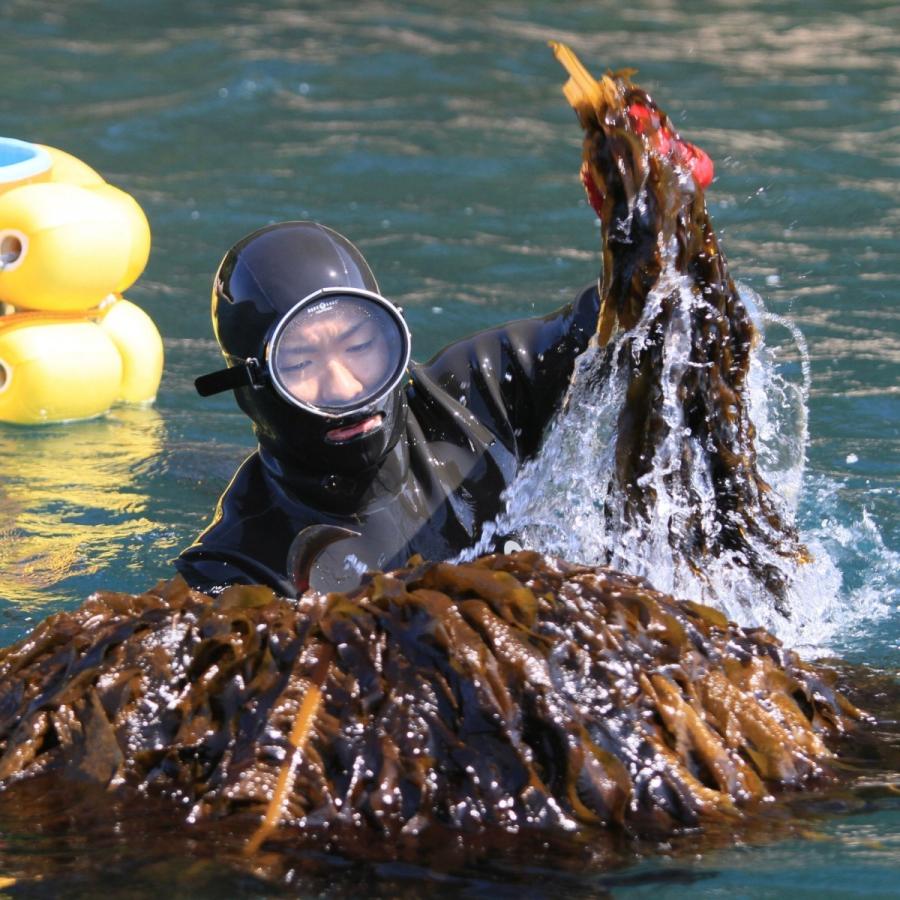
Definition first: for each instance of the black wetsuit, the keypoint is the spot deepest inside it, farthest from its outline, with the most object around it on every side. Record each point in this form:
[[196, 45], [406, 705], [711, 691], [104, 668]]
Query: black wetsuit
[[477, 411]]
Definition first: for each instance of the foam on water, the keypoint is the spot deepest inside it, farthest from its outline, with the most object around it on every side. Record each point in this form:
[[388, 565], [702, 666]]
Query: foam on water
[[849, 541], [567, 503]]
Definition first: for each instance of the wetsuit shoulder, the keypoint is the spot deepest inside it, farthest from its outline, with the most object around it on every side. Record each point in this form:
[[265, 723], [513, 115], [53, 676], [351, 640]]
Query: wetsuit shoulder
[[513, 377]]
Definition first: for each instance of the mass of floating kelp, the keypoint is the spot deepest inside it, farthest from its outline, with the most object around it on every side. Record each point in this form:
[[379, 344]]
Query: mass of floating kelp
[[515, 693]]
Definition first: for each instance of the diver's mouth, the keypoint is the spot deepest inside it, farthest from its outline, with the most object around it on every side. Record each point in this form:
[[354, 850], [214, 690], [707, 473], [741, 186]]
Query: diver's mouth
[[348, 432]]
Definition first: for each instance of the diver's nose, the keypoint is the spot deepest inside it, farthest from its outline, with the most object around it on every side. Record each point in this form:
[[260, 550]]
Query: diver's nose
[[338, 383]]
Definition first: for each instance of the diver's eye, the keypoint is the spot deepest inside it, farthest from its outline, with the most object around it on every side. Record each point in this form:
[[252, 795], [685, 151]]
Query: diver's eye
[[298, 366], [360, 348]]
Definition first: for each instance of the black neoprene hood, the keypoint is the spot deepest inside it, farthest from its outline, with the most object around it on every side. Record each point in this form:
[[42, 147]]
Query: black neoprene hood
[[260, 280], [264, 275]]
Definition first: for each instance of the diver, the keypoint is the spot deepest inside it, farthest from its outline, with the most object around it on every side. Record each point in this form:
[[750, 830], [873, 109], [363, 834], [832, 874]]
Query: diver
[[408, 458]]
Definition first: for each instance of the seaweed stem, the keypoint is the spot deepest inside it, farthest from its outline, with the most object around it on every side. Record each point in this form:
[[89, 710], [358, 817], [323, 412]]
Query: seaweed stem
[[303, 723]]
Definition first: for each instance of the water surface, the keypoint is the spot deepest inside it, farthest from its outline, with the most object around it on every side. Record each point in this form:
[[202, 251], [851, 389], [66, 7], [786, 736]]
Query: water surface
[[438, 140]]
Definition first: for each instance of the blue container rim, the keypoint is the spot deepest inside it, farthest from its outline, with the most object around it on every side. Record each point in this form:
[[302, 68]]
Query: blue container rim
[[20, 160]]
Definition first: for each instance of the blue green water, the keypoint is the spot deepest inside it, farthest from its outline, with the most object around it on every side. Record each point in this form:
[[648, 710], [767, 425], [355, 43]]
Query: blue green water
[[437, 139]]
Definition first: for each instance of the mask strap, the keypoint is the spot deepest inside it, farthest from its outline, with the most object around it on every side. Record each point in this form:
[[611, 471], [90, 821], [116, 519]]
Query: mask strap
[[249, 374]]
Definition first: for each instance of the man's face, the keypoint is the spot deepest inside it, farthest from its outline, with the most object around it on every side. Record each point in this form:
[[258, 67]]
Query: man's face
[[336, 354]]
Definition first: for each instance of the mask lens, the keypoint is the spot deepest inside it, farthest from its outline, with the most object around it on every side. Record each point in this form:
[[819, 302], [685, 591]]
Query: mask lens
[[339, 353]]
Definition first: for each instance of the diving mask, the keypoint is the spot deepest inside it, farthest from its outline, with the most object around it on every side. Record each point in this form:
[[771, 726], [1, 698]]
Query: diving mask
[[336, 352]]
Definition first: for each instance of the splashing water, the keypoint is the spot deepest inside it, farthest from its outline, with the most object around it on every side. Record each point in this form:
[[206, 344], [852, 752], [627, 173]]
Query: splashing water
[[565, 502], [853, 544], [680, 452]]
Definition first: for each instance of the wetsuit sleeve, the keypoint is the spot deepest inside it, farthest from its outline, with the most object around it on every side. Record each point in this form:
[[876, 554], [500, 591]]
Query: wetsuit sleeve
[[211, 571], [246, 542], [513, 378]]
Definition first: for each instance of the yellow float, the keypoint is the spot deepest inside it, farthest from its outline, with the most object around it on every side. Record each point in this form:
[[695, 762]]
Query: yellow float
[[70, 345]]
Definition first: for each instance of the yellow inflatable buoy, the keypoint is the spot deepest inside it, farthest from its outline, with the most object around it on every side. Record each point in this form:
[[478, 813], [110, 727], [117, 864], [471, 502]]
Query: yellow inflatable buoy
[[43, 376], [69, 169], [70, 345], [67, 247], [140, 346]]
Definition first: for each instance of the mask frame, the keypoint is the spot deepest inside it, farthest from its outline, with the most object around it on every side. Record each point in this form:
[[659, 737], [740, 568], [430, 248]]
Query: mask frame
[[258, 375]]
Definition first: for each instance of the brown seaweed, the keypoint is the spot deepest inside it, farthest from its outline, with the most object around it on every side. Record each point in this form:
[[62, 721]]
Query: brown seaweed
[[516, 695], [663, 267]]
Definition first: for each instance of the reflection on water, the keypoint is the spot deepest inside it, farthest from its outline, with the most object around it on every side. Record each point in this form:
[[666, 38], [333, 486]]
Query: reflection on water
[[71, 496]]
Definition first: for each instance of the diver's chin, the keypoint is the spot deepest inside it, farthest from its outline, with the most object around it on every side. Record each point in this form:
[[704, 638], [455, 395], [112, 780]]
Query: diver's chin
[[347, 433]]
